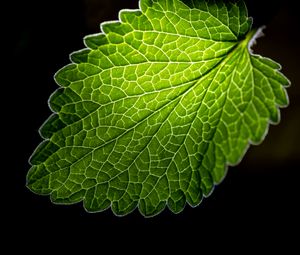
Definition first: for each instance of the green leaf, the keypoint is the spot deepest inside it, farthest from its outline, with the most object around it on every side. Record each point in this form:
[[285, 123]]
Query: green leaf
[[156, 107]]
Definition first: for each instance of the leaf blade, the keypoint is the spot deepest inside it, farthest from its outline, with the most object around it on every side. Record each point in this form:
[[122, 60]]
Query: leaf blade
[[157, 107]]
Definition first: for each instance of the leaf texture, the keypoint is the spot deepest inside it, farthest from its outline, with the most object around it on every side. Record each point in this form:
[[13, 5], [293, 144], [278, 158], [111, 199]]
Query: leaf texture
[[156, 107]]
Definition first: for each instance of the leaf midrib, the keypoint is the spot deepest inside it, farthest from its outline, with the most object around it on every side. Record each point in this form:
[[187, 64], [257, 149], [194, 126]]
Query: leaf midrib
[[138, 123], [232, 50]]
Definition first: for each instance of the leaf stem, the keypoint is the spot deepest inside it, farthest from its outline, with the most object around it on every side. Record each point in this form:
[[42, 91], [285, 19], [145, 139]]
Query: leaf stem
[[251, 37]]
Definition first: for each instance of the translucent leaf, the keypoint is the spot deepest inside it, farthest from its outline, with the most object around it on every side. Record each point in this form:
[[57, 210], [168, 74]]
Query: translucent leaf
[[154, 110]]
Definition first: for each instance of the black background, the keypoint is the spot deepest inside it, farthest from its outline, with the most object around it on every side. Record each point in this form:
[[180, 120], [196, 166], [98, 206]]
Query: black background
[[256, 203]]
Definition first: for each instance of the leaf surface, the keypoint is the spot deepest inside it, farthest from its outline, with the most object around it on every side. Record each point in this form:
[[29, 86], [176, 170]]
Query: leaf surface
[[156, 107]]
